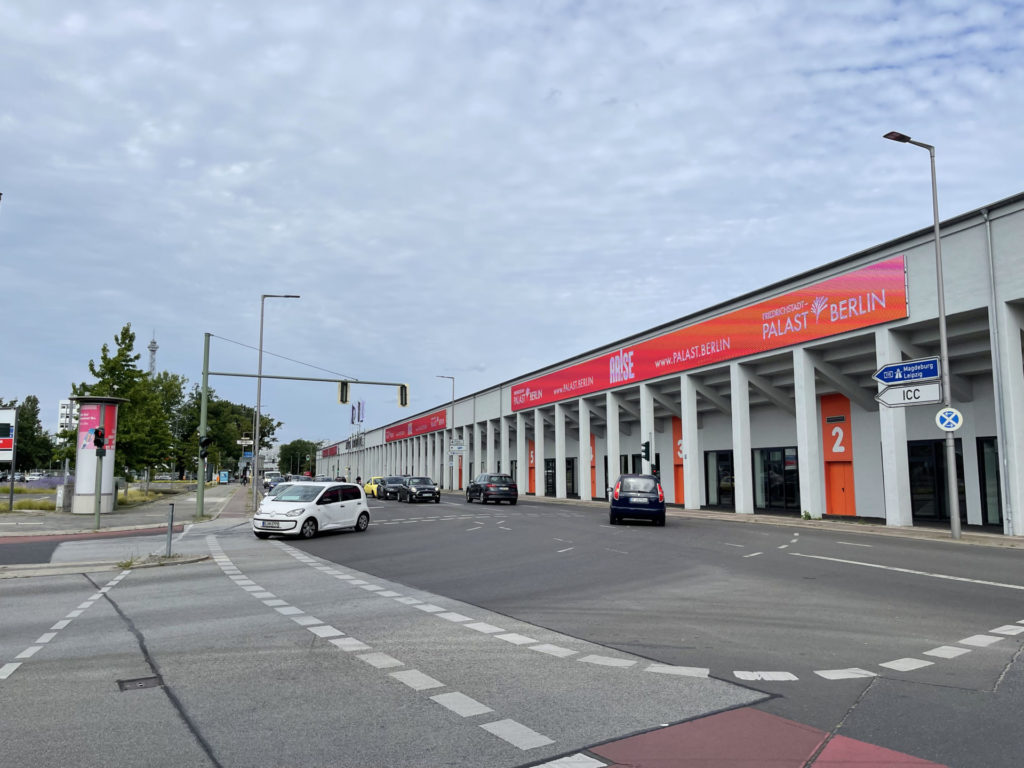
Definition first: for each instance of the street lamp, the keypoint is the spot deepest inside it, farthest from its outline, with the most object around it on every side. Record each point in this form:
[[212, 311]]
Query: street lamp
[[259, 383], [451, 461], [952, 491]]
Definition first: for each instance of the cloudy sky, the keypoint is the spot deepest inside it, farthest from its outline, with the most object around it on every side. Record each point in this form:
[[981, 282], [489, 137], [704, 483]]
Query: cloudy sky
[[462, 187]]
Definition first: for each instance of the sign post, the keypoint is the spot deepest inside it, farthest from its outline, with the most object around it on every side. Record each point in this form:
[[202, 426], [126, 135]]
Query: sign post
[[911, 394]]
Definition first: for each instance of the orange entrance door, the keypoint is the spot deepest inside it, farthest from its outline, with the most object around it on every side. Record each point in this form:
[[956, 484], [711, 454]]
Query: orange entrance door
[[839, 488]]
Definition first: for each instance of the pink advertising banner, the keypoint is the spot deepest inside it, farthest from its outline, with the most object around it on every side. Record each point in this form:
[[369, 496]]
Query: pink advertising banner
[[89, 419], [864, 297], [419, 426]]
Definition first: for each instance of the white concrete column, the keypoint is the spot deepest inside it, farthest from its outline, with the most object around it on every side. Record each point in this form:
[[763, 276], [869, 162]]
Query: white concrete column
[[809, 452], [693, 460], [1011, 451], [538, 452], [506, 435], [583, 480], [478, 452], [491, 460], [446, 475], [647, 425], [742, 468], [560, 451], [522, 461], [893, 426], [611, 401]]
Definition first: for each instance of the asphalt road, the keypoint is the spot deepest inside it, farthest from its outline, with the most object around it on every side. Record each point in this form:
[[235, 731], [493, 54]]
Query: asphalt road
[[911, 645]]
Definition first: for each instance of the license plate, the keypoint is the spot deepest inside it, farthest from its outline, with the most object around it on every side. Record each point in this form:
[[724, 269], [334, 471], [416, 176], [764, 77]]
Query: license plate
[[502, 487], [271, 524], [635, 500]]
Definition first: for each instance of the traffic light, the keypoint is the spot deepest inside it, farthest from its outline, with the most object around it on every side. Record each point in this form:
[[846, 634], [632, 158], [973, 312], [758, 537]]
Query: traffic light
[[98, 437], [342, 392], [204, 446], [403, 395], [645, 450]]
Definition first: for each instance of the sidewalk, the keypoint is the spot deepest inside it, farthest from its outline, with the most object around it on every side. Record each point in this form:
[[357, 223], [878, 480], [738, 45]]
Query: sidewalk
[[149, 516]]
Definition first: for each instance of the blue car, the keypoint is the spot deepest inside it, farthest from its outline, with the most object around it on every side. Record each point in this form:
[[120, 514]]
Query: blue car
[[637, 497]]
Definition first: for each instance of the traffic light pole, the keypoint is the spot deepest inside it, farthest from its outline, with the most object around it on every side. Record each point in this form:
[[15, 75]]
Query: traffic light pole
[[203, 400], [100, 451]]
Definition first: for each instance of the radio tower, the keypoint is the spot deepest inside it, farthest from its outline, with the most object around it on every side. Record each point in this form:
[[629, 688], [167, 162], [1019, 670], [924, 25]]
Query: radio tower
[[152, 347]]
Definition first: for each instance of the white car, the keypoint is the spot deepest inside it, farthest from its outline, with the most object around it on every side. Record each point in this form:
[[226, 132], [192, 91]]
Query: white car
[[305, 509]]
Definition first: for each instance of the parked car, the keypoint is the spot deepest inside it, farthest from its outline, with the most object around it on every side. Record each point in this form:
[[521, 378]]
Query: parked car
[[419, 489], [637, 496], [496, 488], [390, 486], [370, 486], [305, 509]]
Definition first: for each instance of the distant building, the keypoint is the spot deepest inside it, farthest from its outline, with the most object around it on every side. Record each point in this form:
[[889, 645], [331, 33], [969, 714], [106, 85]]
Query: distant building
[[67, 415]]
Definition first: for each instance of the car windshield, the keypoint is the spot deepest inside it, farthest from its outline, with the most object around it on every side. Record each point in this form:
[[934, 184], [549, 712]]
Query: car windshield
[[301, 492], [394, 480], [500, 479], [420, 481], [279, 488], [639, 484]]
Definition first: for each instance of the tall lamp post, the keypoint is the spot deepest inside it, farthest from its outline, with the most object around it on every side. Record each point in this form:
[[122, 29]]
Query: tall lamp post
[[952, 491], [451, 461], [259, 383]]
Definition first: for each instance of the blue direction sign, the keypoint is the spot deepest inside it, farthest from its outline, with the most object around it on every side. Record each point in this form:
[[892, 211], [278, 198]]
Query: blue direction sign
[[923, 369]]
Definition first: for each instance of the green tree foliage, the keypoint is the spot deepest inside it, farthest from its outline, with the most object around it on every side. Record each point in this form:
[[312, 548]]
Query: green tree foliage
[[292, 457], [35, 446]]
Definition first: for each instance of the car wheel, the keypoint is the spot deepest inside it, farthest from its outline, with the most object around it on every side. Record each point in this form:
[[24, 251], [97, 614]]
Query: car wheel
[[469, 499], [661, 521], [612, 519], [362, 522], [261, 535], [512, 501], [436, 501], [309, 528]]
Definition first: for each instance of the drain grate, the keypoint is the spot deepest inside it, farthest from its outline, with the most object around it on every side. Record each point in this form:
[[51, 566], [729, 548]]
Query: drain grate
[[140, 682]]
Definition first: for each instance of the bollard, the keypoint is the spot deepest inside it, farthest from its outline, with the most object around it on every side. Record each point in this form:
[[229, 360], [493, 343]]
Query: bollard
[[170, 529]]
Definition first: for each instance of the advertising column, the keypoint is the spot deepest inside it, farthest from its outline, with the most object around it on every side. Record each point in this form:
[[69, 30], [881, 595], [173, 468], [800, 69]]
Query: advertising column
[[95, 413]]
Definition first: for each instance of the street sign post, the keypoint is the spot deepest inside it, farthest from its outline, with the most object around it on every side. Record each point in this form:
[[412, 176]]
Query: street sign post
[[922, 369], [928, 393]]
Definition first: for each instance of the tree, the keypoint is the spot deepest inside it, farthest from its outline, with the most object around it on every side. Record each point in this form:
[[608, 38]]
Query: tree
[[35, 446], [292, 457]]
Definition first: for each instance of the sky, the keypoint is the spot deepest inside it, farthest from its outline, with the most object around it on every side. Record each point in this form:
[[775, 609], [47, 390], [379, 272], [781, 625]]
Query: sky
[[466, 188]]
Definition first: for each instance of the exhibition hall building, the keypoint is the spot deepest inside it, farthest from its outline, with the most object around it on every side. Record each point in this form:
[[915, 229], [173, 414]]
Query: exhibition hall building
[[822, 395]]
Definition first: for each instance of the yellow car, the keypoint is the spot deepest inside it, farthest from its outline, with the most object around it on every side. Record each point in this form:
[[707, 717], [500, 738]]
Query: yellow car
[[370, 486]]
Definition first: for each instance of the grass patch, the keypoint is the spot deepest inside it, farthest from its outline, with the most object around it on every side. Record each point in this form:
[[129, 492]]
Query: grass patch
[[22, 489], [133, 497], [44, 505]]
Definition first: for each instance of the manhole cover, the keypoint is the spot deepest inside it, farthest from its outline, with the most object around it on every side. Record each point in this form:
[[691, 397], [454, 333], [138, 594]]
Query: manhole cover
[[139, 683]]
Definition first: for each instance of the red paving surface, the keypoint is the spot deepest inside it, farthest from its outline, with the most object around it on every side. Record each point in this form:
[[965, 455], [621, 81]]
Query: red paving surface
[[748, 738]]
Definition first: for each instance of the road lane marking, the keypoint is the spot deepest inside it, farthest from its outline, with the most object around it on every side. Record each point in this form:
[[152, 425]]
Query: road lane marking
[[945, 576], [515, 638], [754, 554], [844, 674], [461, 704], [483, 626], [1007, 629], [855, 544], [906, 664], [774, 676], [980, 641], [416, 680], [517, 734], [325, 631], [947, 652], [8, 669], [453, 616], [553, 650], [670, 669], [607, 661], [567, 549], [741, 546], [380, 660]]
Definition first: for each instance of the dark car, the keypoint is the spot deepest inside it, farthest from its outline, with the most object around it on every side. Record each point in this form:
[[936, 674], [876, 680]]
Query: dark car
[[390, 487], [497, 488], [419, 489], [637, 496]]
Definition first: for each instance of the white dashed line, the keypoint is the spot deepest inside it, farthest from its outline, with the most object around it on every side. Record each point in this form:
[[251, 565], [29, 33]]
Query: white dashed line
[[306, 621], [844, 674], [349, 644], [854, 544], [380, 660], [8, 669], [61, 624], [980, 641], [607, 661], [417, 680], [947, 652], [516, 639], [775, 676], [754, 554], [29, 652], [516, 734], [429, 608], [325, 630], [461, 704], [452, 616], [668, 669], [567, 549], [906, 664], [579, 760], [945, 576], [553, 650], [1007, 629], [483, 626]]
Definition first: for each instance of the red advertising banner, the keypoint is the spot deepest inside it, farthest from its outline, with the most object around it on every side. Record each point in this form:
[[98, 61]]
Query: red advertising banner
[[331, 450], [867, 296], [421, 426], [89, 419]]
